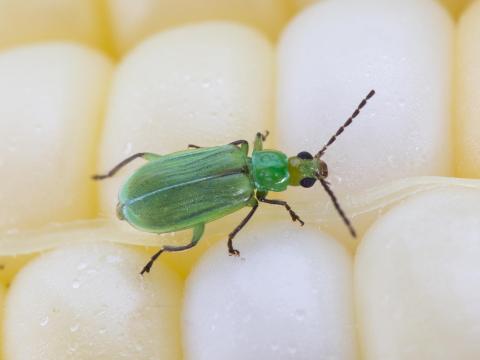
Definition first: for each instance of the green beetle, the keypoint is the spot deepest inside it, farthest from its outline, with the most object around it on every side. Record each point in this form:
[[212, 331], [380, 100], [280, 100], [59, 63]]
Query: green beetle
[[187, 189]]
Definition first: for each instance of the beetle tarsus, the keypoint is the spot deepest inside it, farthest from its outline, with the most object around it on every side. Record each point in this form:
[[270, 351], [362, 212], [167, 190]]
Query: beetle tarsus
[[296, 218], [264, 135], [292, 213], [148, 266], [233, 252]]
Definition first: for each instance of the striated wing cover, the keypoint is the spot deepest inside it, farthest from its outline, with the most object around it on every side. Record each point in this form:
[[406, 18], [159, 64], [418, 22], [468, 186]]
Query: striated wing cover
[[185, 188]]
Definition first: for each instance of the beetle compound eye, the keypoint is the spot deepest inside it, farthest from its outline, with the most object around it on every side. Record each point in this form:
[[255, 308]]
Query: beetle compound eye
[[305, 155], [307, 182]]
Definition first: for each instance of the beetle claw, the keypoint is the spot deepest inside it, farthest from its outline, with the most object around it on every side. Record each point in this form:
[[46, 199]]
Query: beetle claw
[[146, 268], [295, 217], [233, 252]]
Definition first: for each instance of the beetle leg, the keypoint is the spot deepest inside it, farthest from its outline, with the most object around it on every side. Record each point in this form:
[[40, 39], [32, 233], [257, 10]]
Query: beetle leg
[[295, 217], [243, 145], [231, 250], [259, 139], [145, 155], [197, 235]]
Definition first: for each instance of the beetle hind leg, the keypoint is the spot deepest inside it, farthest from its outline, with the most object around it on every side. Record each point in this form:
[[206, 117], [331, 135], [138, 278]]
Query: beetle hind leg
[[197, 235], [145, 155]]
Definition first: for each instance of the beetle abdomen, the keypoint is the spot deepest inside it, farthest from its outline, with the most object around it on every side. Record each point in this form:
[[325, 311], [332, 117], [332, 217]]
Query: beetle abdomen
[[183, 189]]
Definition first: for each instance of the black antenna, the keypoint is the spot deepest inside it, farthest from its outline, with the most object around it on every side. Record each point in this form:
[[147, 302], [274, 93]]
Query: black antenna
[[348, 122], [330, 193]]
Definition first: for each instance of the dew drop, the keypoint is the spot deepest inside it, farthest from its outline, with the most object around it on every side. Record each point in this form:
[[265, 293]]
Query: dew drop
[[44, 321], [292, 350], [72, 348], [300, 315]]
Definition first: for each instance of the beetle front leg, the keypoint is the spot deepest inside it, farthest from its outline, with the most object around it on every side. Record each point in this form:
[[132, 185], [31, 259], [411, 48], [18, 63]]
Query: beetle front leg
[[259, 139], [145, 155], [197, 235], [262, 197], [231, 250]]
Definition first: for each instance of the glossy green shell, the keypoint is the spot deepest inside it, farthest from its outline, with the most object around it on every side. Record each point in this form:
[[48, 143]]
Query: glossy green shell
[[180, 190]]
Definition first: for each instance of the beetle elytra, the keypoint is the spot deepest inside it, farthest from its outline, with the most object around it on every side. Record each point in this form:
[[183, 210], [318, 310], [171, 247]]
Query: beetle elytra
[[187, 189]]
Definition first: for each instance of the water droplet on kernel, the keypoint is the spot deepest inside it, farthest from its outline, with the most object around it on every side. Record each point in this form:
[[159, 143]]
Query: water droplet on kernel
[[44, 321], [292, 350], [76, 284], [300, 315]]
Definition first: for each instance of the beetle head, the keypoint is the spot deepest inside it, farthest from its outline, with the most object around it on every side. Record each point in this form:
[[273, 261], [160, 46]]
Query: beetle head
[[304, 169]]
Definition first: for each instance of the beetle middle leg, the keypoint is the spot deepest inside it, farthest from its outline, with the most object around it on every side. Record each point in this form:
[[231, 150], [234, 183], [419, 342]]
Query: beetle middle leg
[[243, 145], [197, 235], [231, 250], [145, 155], [262, 197]]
